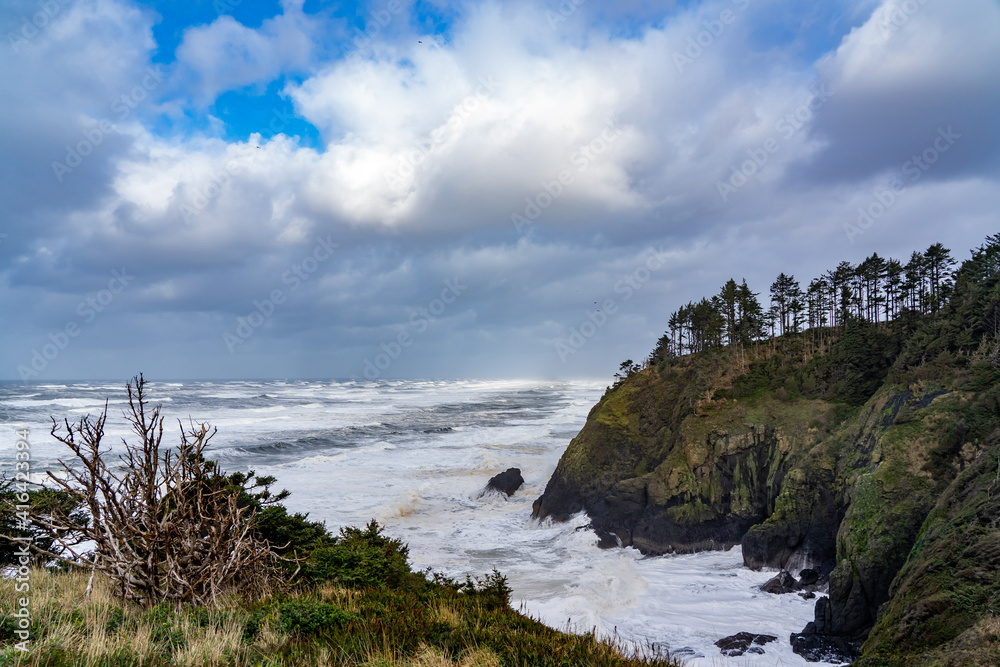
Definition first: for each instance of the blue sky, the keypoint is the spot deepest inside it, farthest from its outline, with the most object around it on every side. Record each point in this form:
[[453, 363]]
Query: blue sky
[[234, 189]]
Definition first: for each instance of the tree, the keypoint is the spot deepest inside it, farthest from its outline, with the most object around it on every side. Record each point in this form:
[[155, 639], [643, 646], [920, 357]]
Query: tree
[[840, 292], [626, 370], [938, 262], [915, 286], [786, 296], [816, 304], [728, 297], [893, 287], [750, 315], [164, 525]]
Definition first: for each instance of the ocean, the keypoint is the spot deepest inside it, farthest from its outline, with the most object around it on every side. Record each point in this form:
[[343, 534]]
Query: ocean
[[416, 456]]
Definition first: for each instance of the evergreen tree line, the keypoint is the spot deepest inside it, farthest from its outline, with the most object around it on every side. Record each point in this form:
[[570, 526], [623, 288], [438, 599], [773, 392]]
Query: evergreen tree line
[[876, 290]]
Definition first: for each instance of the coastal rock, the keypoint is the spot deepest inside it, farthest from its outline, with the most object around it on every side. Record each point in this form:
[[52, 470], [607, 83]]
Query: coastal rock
[[808, 577], [802, 531], [661, 468], [822, 648], [743, 642], [818, 643], [507, 482], [960, 552], [783, 582]]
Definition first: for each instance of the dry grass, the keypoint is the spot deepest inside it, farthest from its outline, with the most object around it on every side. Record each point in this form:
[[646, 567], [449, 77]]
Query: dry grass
[[431, 657], [447, 615], [85, 628], [369, 627]]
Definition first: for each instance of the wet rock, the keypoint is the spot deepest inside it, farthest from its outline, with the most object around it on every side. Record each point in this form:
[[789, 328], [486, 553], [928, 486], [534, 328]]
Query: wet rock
[[808, 577], [816, 645], [743, 642], [783, 582], [807, 595], [825, 648], [507, 482]]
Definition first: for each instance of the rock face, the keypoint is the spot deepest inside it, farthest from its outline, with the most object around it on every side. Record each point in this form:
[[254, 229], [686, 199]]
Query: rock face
[[935, 614], [816, 643], [893, 502], [507, 482], [660, 467], [743, 642]]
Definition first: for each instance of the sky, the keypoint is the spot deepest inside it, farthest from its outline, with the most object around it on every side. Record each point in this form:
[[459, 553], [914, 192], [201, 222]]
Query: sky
[[231, 189]]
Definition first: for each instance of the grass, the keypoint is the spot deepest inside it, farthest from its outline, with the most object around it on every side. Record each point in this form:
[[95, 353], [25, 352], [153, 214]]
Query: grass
[[430, 626]]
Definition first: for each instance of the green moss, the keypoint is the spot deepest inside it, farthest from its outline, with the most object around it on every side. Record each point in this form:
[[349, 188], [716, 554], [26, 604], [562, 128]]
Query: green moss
[[691, 513]]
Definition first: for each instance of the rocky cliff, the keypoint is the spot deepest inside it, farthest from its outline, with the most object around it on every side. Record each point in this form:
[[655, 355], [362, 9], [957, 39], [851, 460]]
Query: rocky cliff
[[871, 455], [663, 467]]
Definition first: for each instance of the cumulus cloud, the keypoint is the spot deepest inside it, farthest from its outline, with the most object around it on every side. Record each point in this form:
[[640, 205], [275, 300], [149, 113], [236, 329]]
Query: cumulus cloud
[[911, 68], [227, 55], [536, 162]]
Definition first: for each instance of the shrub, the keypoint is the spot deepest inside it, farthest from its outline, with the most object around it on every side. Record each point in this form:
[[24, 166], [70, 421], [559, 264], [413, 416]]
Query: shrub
[[361, 558], [311, 618], [41, 502]]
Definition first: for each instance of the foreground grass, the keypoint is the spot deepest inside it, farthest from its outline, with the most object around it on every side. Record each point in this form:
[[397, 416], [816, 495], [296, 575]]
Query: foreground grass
[[430, 626]]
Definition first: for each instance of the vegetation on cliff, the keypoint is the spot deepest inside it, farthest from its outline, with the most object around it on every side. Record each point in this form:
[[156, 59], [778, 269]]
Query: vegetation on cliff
[[837, 447]]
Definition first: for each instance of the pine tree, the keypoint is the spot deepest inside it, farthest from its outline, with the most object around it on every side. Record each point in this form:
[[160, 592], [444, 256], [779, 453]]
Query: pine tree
[[937, 261]]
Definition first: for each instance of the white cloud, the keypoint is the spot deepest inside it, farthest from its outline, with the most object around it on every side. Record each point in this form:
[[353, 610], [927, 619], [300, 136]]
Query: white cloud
[[226, 55]]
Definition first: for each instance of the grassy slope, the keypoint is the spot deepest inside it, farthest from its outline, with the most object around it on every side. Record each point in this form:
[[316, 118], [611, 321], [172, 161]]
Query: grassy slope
[[330, 625]]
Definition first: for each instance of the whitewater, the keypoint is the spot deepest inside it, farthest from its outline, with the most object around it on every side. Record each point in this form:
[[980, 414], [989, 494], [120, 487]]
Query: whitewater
[[416, 456]]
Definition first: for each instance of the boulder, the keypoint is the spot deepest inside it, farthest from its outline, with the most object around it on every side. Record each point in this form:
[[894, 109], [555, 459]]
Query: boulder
[[808, 577], [507, 482], [783, 582], [743, 642]]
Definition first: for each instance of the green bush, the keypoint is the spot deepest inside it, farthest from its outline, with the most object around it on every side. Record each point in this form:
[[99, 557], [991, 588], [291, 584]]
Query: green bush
[[41, 501], [361, 558], [311, 618]]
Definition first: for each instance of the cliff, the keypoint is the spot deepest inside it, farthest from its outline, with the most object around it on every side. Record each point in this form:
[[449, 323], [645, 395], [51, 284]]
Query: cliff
[[663, 467], [868, 452]]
